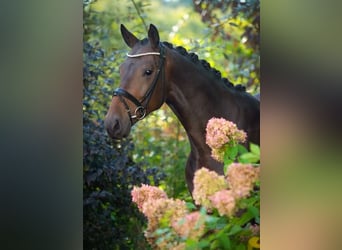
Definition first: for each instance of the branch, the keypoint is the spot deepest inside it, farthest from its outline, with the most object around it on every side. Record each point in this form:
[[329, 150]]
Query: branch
[[139, 14]]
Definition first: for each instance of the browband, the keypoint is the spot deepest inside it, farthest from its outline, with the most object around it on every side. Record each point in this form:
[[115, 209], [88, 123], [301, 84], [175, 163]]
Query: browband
[[143, 54]]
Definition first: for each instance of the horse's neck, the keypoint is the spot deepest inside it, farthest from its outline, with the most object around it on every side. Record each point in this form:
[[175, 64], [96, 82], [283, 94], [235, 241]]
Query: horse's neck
[[195, 100]]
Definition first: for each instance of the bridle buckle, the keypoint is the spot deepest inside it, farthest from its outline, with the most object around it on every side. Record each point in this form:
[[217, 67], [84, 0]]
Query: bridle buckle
[[139, 113]]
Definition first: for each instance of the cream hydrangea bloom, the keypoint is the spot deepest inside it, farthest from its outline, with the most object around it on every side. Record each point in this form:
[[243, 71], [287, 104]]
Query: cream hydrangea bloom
[[218, 153], [180, 246], [206, 183]]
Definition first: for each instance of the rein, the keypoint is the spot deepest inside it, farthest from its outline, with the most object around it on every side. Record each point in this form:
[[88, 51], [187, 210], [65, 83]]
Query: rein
[[140, 111]]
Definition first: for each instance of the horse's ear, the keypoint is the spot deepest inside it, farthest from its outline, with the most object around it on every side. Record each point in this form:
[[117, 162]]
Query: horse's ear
[[153, 36], [129, 38]]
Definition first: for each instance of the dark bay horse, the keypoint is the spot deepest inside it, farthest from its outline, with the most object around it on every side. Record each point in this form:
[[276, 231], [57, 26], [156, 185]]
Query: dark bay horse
[[155, 72]]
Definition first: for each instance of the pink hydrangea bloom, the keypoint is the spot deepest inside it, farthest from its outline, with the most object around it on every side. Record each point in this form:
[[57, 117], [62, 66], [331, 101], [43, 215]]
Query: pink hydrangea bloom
[[162, 211], [142, 194], [241, 178], [220, 134], [159, 210], [206, 183], [221, 131], [191, 226], [224, 202]]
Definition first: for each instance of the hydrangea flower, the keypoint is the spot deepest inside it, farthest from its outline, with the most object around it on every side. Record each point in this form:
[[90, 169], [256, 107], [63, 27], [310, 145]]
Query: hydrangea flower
[[180, 246], [206, 183], [220, 134], [224, 202], [162, 211], [142, 194], [218, 153], [159, 210], [191, 226], [241, 178], [168, 209], [221, 131]]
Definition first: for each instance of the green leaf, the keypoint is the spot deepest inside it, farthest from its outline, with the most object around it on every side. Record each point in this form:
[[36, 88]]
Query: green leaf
[[203, 211], [233, 151], [240, 247], [224, 240], [226, 158], [190, 205], [234, 230], [226, 166], [253, 200], [249, 158], [215, 245], [254, 210], [246, 217], [191, 244], [241, 149], [212, 219], [203, 244], [255, 149], [213, 222], [222, 223]]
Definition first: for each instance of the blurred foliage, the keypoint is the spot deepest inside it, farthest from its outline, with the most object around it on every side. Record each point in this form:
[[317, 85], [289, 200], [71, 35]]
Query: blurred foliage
[[165, 146], [227, 38], [235, 26]]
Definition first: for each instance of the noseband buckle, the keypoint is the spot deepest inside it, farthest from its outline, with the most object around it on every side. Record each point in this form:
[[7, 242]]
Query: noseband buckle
[[139, 113]]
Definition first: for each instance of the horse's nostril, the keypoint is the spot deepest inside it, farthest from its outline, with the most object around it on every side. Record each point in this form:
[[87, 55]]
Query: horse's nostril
[[116, 125], [113, 127]]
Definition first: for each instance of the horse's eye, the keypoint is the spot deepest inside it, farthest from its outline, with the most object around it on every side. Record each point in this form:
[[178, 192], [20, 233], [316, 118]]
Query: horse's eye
[[148, 72]]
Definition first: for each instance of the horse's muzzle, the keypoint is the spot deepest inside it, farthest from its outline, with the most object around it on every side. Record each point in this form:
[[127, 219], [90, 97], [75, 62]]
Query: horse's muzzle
[[115, 127]]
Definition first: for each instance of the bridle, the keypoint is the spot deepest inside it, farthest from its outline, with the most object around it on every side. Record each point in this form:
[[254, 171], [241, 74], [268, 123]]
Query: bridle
[[140, 111]]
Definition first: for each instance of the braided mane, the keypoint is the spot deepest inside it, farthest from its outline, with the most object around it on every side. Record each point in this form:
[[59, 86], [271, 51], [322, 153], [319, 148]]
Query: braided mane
[[194, 58]]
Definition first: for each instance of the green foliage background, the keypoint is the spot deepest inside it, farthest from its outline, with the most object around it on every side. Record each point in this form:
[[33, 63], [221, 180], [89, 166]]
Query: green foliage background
[[225, 33]]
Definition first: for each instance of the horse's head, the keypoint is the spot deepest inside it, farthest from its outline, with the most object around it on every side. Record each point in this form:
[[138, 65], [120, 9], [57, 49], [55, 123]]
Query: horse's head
[[142, 87]]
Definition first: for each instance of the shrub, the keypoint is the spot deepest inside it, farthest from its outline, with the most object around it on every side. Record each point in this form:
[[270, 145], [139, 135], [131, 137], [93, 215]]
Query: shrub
[[109, 173]]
